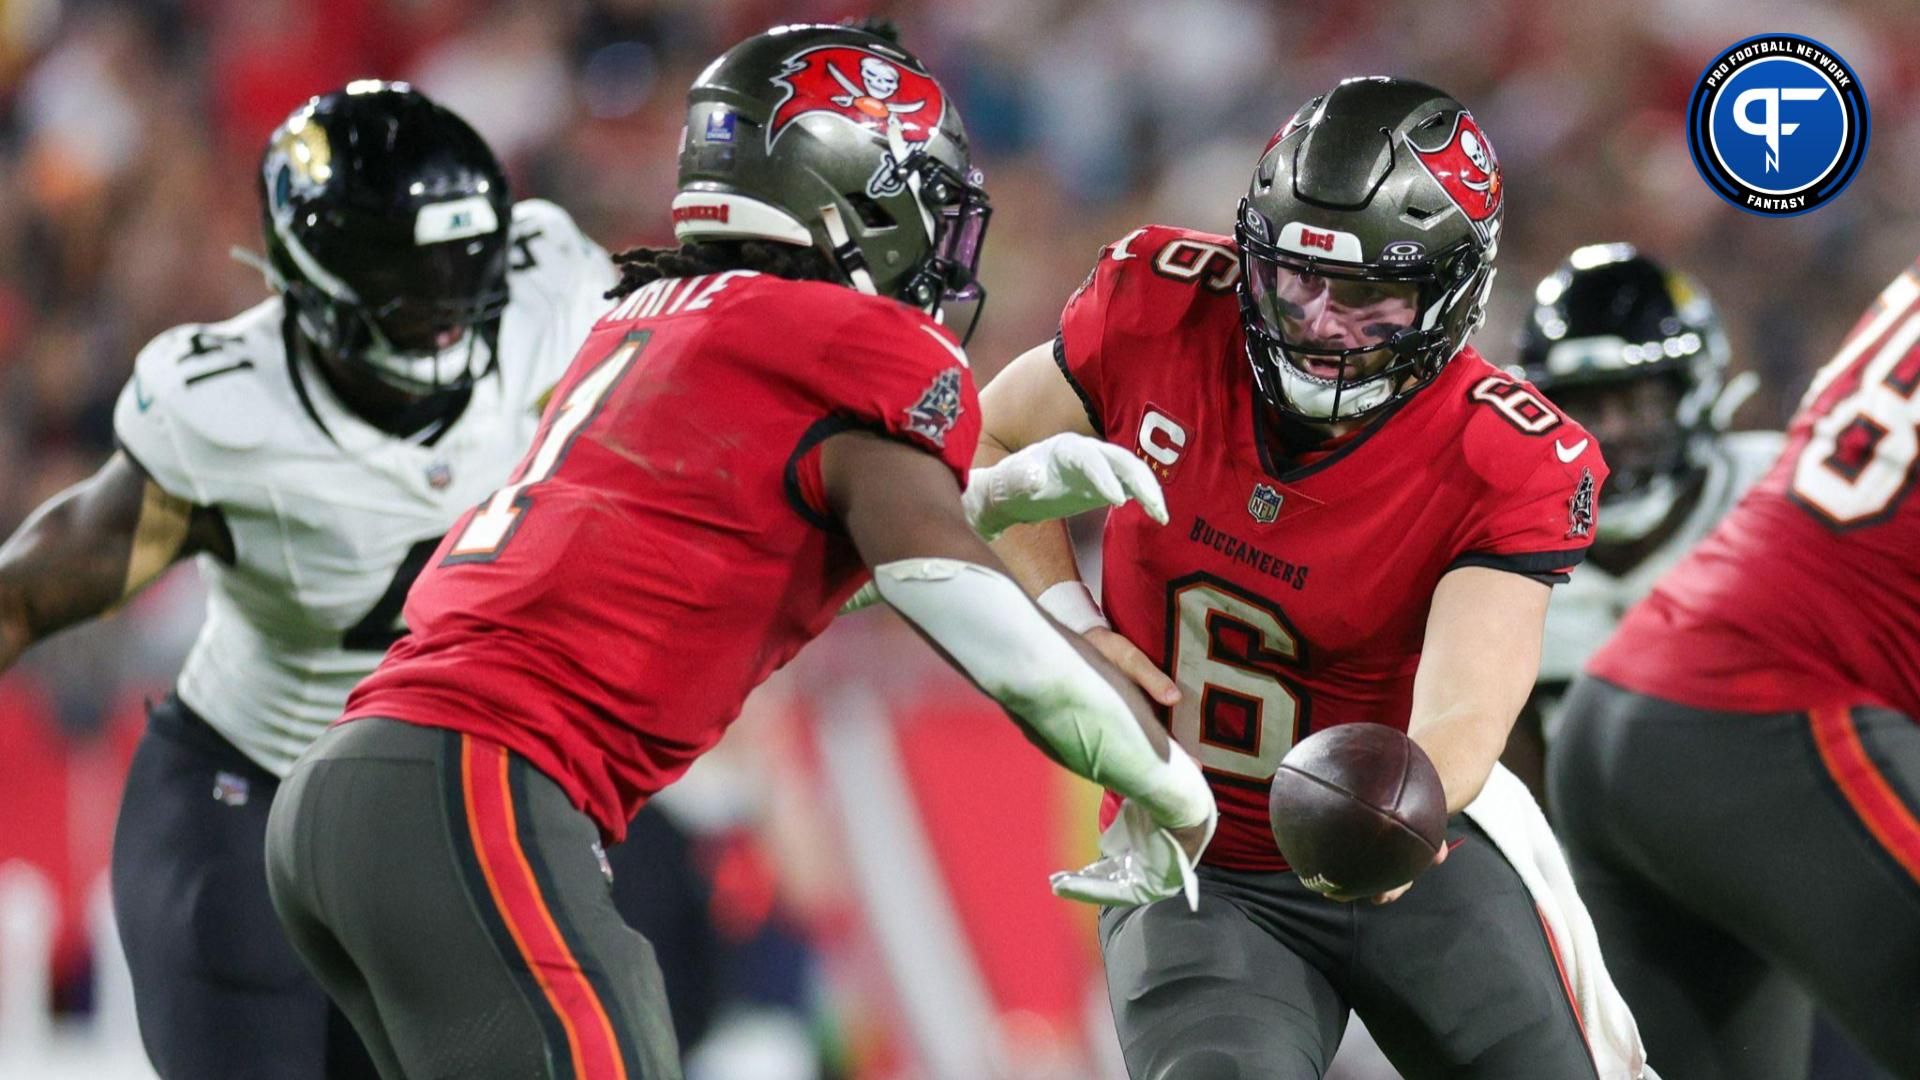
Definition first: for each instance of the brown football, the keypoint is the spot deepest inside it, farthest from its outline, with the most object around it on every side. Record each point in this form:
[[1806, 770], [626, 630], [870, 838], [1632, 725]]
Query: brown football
[[1357, 810]]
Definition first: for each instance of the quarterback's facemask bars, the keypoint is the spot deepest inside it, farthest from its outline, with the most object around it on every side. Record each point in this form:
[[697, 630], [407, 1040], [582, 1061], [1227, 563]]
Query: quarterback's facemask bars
[[1335, 345]]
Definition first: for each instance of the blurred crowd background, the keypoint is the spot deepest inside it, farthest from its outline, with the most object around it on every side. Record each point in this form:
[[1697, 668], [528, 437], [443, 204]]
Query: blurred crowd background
[[129, 137]]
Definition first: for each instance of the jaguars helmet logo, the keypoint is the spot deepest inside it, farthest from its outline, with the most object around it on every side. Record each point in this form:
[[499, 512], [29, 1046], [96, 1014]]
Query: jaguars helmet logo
[[299, 160]]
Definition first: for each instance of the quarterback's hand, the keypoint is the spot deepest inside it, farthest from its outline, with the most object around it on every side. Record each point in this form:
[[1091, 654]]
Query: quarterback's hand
[[1140, 862], [1391, 895], [1058, 477], [1134, 664]]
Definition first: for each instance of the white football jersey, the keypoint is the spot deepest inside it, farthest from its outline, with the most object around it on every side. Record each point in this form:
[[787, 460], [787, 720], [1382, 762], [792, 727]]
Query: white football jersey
[[1585, 610], [332, 518]]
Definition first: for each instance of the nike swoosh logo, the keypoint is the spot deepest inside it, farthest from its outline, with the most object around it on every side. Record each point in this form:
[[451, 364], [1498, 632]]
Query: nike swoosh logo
[[1568, 453], [140, 398]]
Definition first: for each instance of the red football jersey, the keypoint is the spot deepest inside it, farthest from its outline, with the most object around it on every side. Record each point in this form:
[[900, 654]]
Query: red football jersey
[[1808, 593], [664, 546], [1289, 595]]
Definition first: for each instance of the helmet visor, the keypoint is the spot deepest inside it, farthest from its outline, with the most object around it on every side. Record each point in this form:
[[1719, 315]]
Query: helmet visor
[[1314, 311], [960, 221], [412, 325]]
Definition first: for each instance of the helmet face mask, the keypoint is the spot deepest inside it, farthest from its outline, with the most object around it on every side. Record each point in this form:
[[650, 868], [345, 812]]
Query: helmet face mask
[[386, 221], [955, 212], [1366, 246]]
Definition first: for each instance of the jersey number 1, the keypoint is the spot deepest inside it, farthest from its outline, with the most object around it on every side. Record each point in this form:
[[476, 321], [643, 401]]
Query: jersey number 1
[[487, 532]]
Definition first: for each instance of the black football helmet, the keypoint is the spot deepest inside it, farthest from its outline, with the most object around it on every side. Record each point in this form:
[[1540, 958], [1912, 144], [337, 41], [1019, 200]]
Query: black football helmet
[[1609, 319], [386, 225], [1367, 242]]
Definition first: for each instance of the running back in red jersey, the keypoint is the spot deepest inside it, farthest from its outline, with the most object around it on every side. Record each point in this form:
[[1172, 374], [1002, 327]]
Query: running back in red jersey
[[1808, 593], [1290, 591], [665, 544]]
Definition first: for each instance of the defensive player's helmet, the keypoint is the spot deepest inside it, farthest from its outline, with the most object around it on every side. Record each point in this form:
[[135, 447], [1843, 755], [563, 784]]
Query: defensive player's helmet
[[1609, 317], [386, 222], [838, 139], [1366, 247]]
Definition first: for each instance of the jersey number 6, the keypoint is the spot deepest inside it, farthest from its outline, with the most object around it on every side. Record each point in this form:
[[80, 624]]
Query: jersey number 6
[[487, 532], [1232, 646]]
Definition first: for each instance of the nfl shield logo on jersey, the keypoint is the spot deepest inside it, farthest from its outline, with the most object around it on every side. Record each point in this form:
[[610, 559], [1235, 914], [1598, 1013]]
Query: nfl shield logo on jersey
[[1264, 503], [439, 475]]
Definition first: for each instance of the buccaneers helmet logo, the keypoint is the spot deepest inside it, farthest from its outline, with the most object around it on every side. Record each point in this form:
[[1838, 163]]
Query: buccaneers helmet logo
[[859, 85], [1465, 168]]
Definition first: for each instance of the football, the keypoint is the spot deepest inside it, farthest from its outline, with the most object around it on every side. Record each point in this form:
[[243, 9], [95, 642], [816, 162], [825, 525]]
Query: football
[[1357, 810]]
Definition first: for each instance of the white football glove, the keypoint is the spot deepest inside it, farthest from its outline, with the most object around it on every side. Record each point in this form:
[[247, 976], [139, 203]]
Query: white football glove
[[1058, 477], [1140, 862]]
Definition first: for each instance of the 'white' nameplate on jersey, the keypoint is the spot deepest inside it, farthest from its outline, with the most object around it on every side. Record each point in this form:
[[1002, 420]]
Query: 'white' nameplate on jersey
[[454, 220]]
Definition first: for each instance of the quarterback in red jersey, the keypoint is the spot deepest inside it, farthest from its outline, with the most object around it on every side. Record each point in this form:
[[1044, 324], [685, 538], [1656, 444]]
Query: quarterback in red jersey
[[1757, 711], [1365, 521], [767, 412]]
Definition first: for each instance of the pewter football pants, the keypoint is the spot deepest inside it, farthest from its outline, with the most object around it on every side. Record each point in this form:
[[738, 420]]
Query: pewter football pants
[[1456, 979], [453, 901], [1742, 868]]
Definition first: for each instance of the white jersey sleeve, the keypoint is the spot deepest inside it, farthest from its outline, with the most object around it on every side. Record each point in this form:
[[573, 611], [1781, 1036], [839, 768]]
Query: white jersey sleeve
[[558, 272], [192, 411]]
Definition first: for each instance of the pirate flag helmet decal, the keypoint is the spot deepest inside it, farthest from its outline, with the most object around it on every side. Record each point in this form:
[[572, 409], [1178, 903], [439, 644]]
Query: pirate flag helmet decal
[[862, 86], [838, 139], [1465, 168]]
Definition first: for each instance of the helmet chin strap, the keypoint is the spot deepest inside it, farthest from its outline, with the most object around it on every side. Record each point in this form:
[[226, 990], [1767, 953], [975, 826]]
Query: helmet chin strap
[[841, 240], [897, 146]]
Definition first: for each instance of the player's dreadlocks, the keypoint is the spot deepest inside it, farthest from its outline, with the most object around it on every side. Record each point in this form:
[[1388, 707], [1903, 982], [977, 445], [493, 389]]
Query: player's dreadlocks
[[641, 266]]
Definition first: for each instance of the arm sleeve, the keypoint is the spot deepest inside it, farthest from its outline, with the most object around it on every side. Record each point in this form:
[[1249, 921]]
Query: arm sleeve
[[1541, 526], [895, 373]]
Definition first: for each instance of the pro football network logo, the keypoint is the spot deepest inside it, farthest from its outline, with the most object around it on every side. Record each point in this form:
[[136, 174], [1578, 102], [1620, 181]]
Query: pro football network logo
[[1778, 125], [1463, 165], [861, 86]]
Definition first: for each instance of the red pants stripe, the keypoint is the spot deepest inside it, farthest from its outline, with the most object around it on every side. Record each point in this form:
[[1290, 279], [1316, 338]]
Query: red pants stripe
[[594, 1050]]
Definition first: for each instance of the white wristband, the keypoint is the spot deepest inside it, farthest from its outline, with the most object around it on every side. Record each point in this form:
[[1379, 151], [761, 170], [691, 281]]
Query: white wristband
[[1072, 605]]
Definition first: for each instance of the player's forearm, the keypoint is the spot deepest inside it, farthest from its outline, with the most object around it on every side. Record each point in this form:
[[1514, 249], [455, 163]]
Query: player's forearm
[[1038, 556], [1464, 742], [1477, 664], [47, 585], [980, 620], [86, 550]]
